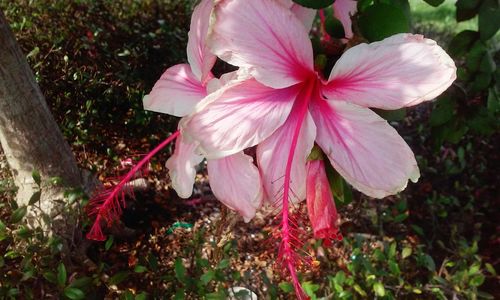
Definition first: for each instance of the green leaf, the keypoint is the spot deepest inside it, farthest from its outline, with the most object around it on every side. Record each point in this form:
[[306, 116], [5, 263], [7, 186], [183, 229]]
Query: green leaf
[[359, 290], [18, 214], [61, 275], [394, 267], [140, 269], [35, 198], [333, 26], [223, 264], [316, 4], [118, 277], [490, 269], [36, 177], [400, 217], [487, 64], [286, 287], [462, 42], [33, 53], [443, 111], [207, 277], [382, 20], [489, 19], [141, 296], [475, 56], [477, 280], [109, 243], [180, 271], [81, 282], [74, 293], [310, 289], [50, 277], [379, 289], [406, 252], [466, 9], [434, 3], [481, 82], [429, 263]]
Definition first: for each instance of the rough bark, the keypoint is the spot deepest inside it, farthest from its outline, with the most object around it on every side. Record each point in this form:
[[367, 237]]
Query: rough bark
[[29, 134]]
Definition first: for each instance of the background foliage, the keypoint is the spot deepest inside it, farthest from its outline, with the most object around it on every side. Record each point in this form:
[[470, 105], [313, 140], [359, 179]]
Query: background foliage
[[94, 61]]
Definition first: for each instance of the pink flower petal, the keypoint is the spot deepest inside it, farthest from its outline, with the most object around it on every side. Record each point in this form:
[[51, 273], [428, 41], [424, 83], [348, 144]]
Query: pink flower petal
[[264, 36], [181, 167], [402, 70], [343, 10], [272, 154], [320, 204], [364, 148], [235, 181], [305, 15], [199, 56], [238, 116], [176, 92]]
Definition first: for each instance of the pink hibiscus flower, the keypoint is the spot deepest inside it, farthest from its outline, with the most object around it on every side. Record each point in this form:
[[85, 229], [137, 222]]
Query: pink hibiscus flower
[[287, 107]]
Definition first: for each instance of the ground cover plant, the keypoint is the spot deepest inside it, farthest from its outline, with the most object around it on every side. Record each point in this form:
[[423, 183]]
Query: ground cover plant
[[95, 62]]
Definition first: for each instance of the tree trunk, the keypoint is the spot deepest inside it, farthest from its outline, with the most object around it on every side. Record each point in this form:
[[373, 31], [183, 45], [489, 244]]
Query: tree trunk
[[29, 134]]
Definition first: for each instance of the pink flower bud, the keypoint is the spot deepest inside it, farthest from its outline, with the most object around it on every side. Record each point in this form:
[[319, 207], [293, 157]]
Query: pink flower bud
[[320, 203]]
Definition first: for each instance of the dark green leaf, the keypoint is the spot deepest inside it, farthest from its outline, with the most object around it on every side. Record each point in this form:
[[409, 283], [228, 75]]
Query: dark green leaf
[[481, 82], [61, 275], [487, 64], [462, 42], [316, 4], [475, 56], [35, 198], [466, 9], [36, 177], [429, 263], [400, 217], [493, 102], [434, 3], [382, 20], [333, 26], [489, 19], [18, 214], [443, 111], [50, 276], [118, 277], [81, 282], [74, 293], [109, 243]]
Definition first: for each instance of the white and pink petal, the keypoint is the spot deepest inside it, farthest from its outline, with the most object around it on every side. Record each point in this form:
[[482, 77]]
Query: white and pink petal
[[199, 56], [181, 167], [176, 92], [238, 116], [364, 148], [264, 36], [235, 181], [399, 71]]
